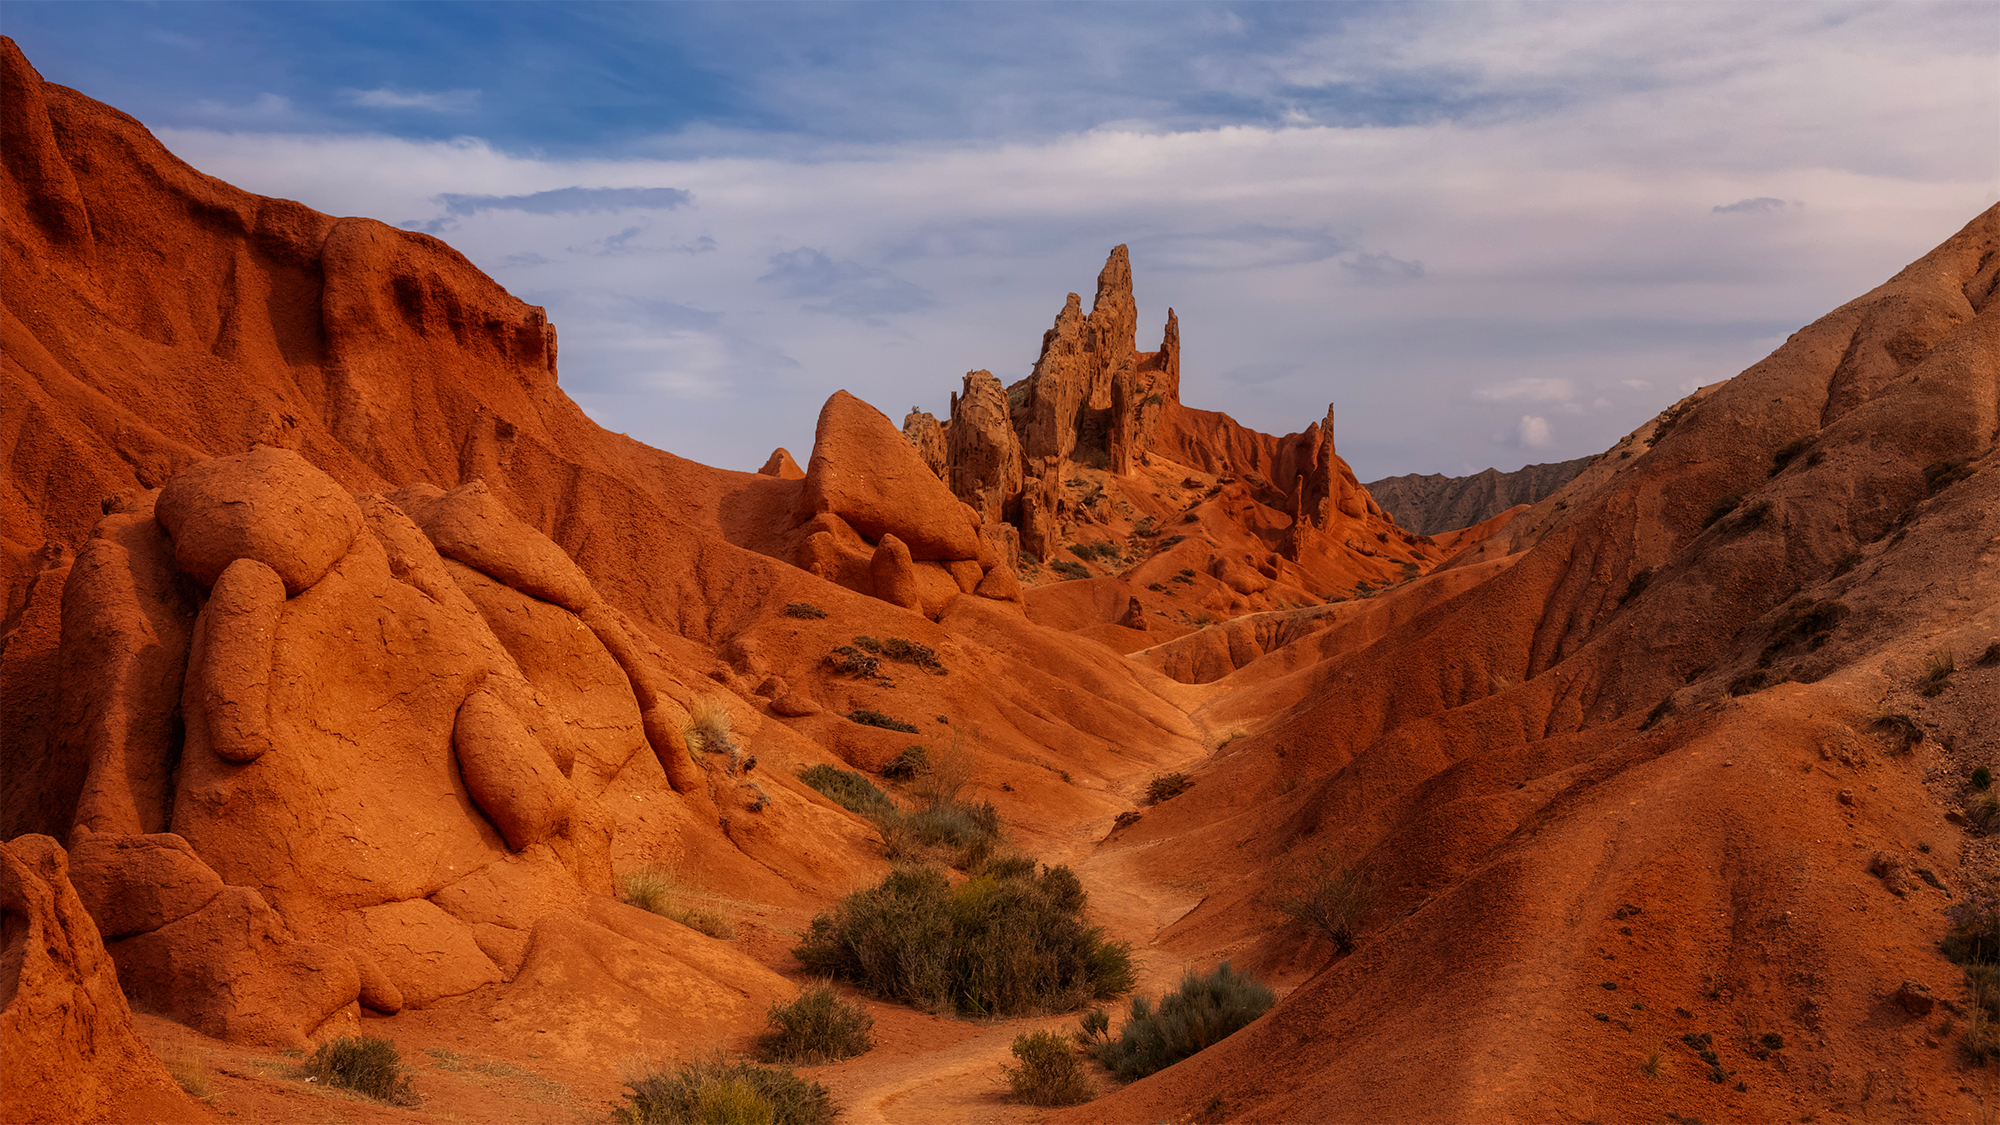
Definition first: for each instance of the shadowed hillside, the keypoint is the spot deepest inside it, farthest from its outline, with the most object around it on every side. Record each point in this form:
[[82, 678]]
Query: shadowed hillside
[[1431, 503]]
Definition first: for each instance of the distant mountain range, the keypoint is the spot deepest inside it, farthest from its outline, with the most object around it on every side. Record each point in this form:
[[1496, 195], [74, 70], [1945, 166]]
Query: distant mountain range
[[1428, 503]]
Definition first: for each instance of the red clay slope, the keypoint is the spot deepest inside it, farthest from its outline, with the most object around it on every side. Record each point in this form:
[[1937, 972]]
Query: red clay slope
[[1616, 799]]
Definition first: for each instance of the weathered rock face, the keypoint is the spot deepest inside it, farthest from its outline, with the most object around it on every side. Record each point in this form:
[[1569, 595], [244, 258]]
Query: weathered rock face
[[928, 436], [356, 666], [982, 454], [65, 1028]]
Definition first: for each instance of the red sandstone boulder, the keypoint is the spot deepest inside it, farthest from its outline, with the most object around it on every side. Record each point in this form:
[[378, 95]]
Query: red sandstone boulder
[[865, 472]]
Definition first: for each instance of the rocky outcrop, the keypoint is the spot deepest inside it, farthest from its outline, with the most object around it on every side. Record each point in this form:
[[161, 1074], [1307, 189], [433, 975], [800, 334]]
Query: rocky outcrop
[[1430, 503], [356, 665], [781, 465], [65, 1027], [982, 454], [924, 432]]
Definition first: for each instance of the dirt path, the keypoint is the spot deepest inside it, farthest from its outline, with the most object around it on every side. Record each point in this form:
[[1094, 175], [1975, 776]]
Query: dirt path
[[908, 1077]]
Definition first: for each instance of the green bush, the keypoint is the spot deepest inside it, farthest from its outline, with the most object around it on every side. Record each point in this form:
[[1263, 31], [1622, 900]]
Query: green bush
[[993, 946], [818, 1027], [1166, 786], [846, 660], [1982, 778], [365, 1065], [1051, 1072], [1324, 892], [805, 610], [715, 1092], [1203, 1012], [1069, 569], [849, 790], [868, 718]]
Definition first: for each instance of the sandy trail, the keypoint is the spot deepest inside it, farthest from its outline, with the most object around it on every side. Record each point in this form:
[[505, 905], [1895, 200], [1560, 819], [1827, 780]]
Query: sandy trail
[[963, 1080]]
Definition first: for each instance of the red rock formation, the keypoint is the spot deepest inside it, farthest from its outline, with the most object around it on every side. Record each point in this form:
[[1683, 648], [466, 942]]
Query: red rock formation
[[781, 465], [65, 1028], [983, 455], [928, 436]]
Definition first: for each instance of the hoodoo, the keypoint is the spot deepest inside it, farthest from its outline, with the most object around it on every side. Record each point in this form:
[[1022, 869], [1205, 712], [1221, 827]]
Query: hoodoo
[[353, 683]]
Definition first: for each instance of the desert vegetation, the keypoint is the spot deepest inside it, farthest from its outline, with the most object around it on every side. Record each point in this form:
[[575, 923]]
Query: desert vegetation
[[1166, 786], [1050, 1072], [1203, 1011], [868, 717], [367, 1065], [804, 610], [663, 891], [818, 1027], [1006, 942], [1324, 892], [716, 1090]]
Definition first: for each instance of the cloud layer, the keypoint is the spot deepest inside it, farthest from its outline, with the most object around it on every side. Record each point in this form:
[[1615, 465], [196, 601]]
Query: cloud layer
[[1437, 217]]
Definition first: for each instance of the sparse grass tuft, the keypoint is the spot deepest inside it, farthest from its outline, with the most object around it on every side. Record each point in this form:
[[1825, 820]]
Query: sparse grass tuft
[[364, 1064], [1982, 778], [1908, 733], [1069, 569], [1166, 786], [1325, 892], [869, 718], [1938, 668], [708, 728], [725, 1093], [1204, 1011], [804, 610], [1984, 813], [189, 1068], [818, 1027], [1051, 1071], [849, 790], [1004, 943], [658, 890]]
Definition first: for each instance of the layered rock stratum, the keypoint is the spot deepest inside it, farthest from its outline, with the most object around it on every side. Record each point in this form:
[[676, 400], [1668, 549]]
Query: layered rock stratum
[[347, 666]]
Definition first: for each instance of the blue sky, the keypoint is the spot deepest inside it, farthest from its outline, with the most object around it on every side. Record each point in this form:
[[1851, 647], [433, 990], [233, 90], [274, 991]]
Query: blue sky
[[1492, 234]]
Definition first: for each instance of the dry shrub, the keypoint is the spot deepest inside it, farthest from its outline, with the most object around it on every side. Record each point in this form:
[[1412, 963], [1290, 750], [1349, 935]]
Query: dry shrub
[[818, 1027], [1051, 1071], [1201, 1013], [724, 1093], [364, 1064], [1325, 892], [1003, 943], [1166, 786]]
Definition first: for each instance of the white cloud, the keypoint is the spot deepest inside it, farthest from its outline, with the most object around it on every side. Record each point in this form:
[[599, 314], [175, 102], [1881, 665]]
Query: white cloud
[[1567, 256], [1531, 389], [430, 101]]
